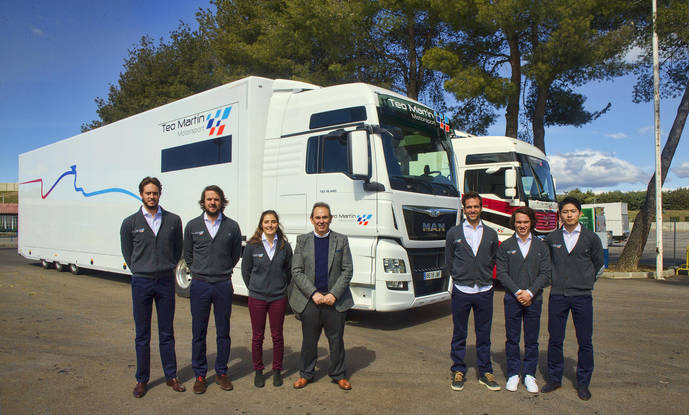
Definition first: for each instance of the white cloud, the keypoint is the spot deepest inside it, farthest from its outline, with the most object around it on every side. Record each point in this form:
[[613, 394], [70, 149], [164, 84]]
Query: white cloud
[[588, 169], [633, 54], [682, 171], [616, 136], [36, 31], [645, 130]]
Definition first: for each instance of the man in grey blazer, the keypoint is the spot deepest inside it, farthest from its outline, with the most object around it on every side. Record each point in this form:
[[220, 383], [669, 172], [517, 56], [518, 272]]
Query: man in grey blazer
[[319, 293]]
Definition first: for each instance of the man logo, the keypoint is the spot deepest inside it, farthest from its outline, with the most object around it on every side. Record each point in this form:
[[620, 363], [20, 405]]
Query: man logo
[[433, 227]]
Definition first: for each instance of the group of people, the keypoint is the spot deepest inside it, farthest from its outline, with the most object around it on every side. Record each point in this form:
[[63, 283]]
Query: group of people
[[314, 279], [569, 259]]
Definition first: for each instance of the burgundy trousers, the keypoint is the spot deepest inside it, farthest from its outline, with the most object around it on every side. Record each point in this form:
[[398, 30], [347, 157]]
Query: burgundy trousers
[[275, 310]]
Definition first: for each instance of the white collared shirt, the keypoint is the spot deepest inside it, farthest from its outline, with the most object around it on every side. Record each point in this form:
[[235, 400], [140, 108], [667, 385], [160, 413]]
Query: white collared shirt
[[270, 250], [571, 238], [319, 236], [473, 237], [153, 221], [524, 246], [212, 227]]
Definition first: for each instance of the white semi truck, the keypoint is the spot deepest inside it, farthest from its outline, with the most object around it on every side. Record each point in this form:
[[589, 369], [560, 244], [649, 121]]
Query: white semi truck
[[507, 173], [383, 162]]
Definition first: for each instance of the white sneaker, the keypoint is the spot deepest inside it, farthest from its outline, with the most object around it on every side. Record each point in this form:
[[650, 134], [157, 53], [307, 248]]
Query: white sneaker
[[512, 383], [530, 383]]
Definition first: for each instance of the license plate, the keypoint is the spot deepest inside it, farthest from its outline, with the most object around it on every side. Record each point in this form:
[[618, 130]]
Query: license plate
[[432, 275]]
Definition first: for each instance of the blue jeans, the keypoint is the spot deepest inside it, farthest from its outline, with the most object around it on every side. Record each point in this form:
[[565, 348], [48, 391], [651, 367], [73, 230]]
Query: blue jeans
[[202, 295], [462, 304], [582, 316], [515, 315], [144, 292]]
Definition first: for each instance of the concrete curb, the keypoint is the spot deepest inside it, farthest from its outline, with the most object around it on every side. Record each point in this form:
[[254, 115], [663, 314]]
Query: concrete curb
[[636, 275]]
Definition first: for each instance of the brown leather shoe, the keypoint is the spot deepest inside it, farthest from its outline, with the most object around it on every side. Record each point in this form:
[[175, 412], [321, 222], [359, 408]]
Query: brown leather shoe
[[224, 382], [139, 390], [300, 383], [176, 385], [344, 384], [200, 385]]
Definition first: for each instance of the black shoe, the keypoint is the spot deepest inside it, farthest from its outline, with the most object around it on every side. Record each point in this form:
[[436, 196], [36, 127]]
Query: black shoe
[[583, 392], [277, 378], [488, 380], [550, 386], [259, 381], [457, 383]]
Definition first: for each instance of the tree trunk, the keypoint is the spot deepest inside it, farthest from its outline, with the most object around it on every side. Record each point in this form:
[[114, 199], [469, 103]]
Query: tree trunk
[[413, 84], [537, 123], [512, 113], [631, 255]]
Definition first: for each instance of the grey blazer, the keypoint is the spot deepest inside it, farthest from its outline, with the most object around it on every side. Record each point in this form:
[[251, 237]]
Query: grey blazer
[[303, 284]]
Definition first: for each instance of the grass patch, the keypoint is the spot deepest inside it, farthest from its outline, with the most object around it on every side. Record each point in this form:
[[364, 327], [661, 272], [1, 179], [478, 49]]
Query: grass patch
[[668, 215], [9, 197]]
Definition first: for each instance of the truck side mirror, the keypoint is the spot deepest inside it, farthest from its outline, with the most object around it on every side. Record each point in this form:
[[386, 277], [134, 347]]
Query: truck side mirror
[[510, 183], [357, 145]]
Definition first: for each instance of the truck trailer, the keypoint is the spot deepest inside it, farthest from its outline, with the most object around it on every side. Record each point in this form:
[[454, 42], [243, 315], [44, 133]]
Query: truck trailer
[[382, 161], [507, 173]]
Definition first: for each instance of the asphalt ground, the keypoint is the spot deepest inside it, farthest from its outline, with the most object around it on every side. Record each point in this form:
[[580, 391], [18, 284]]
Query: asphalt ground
[[68, 348]]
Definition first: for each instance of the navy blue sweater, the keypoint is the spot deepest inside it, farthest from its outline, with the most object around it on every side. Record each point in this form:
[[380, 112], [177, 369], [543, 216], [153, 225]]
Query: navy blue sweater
[[146, 254], [518, 273], [574, 273], [464, 267], [212, 259], [267, 279]]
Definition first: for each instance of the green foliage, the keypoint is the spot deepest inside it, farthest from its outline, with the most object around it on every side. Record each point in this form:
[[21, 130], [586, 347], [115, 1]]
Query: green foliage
[[673, 37], [677, 199], [564, 107], [156, 74], [555, 45]]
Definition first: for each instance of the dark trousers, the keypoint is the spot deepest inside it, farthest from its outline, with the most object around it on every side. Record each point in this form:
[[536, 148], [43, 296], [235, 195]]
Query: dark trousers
[[202, 295], [582, 316], [275, 310], [516, 315], [314, 319], [462, 304], [144, 292]]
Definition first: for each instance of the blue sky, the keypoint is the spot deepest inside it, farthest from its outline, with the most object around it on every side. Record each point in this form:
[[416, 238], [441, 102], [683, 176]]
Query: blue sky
[[58, 56]]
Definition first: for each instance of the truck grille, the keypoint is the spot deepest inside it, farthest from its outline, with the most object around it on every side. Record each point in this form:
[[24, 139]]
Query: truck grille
[[423, 260], [546, 221], [428, 224]]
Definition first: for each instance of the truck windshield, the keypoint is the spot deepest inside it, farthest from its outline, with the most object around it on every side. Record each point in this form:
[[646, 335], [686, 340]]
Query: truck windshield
[[537, 183], [417, 156]]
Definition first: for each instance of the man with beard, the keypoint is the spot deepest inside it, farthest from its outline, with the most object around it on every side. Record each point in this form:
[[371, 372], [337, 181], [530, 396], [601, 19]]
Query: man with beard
[[212, 247], [151, 242]]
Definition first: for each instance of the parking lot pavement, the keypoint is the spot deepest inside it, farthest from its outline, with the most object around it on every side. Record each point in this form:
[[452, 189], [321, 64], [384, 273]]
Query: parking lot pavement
[[68, 347]]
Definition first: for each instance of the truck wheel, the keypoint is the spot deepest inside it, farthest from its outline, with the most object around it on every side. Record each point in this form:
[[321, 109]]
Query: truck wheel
[[74, 269], [45, 264], [182, 279], [59, 267]]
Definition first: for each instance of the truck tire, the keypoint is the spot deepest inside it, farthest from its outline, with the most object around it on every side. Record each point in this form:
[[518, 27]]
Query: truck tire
[[182, 279], [59, 267], [45, 264], [74, 269]]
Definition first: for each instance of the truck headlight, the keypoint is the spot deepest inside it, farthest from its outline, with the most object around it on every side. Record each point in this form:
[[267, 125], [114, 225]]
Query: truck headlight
[[394, 265], [397, 285]]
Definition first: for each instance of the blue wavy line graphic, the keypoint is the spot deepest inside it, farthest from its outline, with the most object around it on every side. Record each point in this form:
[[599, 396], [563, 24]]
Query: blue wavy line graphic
[[73, 171]]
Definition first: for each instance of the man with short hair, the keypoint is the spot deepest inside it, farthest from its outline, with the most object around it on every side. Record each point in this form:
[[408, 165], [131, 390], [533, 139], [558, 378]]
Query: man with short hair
[[212, 247], [151, 242], [320, 294], [470, 256], [578, 261], [523, 269]]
